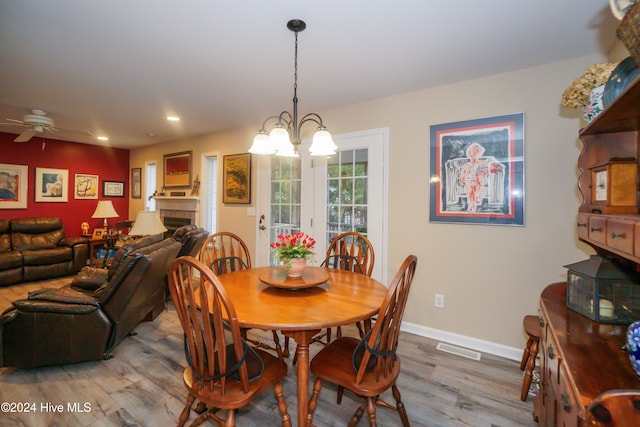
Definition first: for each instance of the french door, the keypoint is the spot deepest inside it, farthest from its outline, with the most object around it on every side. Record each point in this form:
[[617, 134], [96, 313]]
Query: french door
[[324, 197]]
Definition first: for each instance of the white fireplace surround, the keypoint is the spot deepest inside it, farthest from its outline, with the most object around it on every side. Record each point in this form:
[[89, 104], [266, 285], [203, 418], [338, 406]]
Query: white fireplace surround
[[179, 207]]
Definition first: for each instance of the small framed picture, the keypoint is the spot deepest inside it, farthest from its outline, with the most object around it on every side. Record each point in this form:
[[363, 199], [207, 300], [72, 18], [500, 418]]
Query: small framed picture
[[136, 183], [85, 186], [113, 188], [98, 233], [52, 185], [236, 184]]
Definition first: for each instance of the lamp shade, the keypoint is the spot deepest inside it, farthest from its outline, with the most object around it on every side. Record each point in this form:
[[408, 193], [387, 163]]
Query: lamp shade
[[262, 144], [323, 144], [147, 223], [105, 210]]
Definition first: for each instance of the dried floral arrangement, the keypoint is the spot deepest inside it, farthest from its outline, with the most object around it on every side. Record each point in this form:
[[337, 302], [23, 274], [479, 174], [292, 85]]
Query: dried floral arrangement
[[577, 94]]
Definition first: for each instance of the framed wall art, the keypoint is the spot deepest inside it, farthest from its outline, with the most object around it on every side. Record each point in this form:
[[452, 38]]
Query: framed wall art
[[236, 180], [14, 182], [477, 171], [85, 186], [52, 185], [136, 183], [113, 189], [177, 170]]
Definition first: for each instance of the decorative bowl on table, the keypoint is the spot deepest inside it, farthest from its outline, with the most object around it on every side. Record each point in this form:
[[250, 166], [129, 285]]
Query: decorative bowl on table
[[633, 346]]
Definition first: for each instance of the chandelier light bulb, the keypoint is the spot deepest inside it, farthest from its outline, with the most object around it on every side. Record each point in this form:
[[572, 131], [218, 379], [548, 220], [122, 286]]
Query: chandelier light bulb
[[262, 144], [323, 144]]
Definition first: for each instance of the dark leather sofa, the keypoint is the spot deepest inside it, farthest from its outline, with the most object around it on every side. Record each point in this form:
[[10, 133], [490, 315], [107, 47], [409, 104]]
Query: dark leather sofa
[[85, 320], [36, 248]]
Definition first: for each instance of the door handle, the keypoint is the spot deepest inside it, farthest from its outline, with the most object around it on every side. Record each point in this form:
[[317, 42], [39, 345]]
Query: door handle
[[260, 223]]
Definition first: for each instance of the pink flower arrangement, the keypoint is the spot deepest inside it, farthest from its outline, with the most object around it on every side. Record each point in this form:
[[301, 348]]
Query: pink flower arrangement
[[297, 245]]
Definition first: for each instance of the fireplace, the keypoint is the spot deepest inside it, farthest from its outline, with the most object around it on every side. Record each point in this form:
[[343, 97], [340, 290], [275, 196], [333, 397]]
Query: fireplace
[[177, 211]]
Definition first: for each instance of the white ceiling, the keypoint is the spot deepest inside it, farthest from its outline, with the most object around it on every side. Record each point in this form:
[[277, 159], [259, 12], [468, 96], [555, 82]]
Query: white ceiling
[[119, 67]]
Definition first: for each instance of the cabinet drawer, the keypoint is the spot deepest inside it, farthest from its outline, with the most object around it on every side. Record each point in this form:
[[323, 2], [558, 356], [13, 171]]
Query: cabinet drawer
[[620, 234], [582, 225], [598, 229]]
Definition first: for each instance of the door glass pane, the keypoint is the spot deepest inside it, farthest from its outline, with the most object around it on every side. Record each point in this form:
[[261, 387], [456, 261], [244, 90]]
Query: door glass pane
[[347, 192], [285, 199]]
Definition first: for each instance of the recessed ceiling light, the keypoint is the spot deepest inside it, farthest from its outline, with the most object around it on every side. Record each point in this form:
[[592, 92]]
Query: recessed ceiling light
[[173, 118], [103, 138]]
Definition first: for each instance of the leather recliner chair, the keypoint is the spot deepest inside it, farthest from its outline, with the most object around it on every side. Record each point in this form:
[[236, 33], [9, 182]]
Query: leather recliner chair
[[80, 323]]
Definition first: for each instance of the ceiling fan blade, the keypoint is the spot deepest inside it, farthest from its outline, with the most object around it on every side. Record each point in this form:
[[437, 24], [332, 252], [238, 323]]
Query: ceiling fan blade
[[19, 122], [12, 124], [72, 131], [25, 136]]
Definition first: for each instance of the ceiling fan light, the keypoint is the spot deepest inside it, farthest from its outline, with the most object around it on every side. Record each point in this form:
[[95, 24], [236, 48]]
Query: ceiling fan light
[[262, 144], [322, 144]]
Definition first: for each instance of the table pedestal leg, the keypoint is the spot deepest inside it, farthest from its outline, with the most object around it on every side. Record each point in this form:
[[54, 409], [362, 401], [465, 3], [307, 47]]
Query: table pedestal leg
[[303, 339]]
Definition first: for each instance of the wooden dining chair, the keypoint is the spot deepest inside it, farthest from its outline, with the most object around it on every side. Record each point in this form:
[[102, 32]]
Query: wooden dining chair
[[350, 251], [223, 371], [368, 366], [224, 252]]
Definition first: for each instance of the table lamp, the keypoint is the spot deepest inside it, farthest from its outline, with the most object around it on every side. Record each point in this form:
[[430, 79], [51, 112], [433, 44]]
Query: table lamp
[[105, 210], [147, 223]]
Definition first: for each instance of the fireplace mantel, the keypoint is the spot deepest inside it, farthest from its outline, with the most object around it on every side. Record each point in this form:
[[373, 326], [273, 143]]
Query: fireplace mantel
[[177, 203]]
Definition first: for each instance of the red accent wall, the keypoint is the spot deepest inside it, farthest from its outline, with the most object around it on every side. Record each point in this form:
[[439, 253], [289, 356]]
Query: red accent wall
[[111, 164]]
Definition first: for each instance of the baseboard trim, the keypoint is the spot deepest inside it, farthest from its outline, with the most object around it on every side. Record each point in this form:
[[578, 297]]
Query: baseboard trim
[[482, 346]]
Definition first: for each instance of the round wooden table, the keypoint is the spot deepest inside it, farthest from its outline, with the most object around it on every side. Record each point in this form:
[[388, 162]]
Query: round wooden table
[[301, 313]]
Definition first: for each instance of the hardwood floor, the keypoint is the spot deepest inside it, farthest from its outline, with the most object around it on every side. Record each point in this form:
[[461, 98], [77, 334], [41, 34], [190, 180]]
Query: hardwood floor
[[142, 386]]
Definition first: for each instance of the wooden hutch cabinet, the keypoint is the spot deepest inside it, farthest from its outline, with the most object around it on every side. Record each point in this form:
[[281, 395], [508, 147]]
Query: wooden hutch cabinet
[[586, 376]]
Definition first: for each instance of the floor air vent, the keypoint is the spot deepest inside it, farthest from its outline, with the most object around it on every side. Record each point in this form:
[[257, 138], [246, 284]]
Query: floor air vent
[[469, 354]]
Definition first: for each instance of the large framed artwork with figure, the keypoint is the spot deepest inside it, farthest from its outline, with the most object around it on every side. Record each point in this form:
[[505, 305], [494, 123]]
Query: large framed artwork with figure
[[477, 171]]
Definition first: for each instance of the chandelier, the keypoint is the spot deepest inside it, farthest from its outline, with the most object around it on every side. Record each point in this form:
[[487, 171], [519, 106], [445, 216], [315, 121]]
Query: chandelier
[[284, 138]]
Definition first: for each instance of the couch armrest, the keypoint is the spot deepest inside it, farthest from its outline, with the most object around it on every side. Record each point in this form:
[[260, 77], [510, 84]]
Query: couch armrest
[[72, 241], [53, 307], [64, 295], [90, 278]]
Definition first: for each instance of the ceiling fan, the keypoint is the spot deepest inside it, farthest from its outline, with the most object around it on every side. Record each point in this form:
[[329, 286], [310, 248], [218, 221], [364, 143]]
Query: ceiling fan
[[38, 122]]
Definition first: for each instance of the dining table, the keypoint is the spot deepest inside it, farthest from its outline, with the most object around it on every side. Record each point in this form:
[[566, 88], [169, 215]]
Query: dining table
[[265, 298]]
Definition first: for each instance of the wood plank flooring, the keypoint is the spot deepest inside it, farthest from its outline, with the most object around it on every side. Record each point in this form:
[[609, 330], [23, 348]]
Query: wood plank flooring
[[142, 386]]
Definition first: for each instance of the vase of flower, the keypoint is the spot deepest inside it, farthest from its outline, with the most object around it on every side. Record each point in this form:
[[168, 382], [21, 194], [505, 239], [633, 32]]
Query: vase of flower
[[294, 250], [295, 267]]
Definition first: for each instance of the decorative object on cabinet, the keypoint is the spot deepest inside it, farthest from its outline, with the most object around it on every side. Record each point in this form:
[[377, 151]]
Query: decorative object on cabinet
[[113, 189], [236, 182], [85, 186], [136, 183], [177, 170], [625, 73], [595, 104], [614, 187], [633, 346], [477, 171], [105, 210], [195, 190], [85, 228], [52, 185], [603, 291], [620, 7], [629, 29], [578, 93], [98, 233], [13, 186], [581, 362]]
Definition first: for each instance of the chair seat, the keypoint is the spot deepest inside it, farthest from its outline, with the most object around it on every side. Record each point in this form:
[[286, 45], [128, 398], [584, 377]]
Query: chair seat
[[334, 364], [234, 397]]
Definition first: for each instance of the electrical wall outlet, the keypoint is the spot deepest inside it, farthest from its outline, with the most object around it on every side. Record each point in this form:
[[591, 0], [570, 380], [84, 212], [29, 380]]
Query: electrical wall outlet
[[439, 301]]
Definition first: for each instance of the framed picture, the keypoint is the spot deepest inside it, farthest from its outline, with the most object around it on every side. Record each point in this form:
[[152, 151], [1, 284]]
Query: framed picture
[[136, 183], [85, 186], [52, 185], [477, 171], [236, 180], [113, 188], [99, 233], [14, 182], [177, 170]]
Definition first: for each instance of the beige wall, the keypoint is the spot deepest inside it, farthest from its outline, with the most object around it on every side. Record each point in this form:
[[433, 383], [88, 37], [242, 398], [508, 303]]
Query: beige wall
[[491, 276]]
